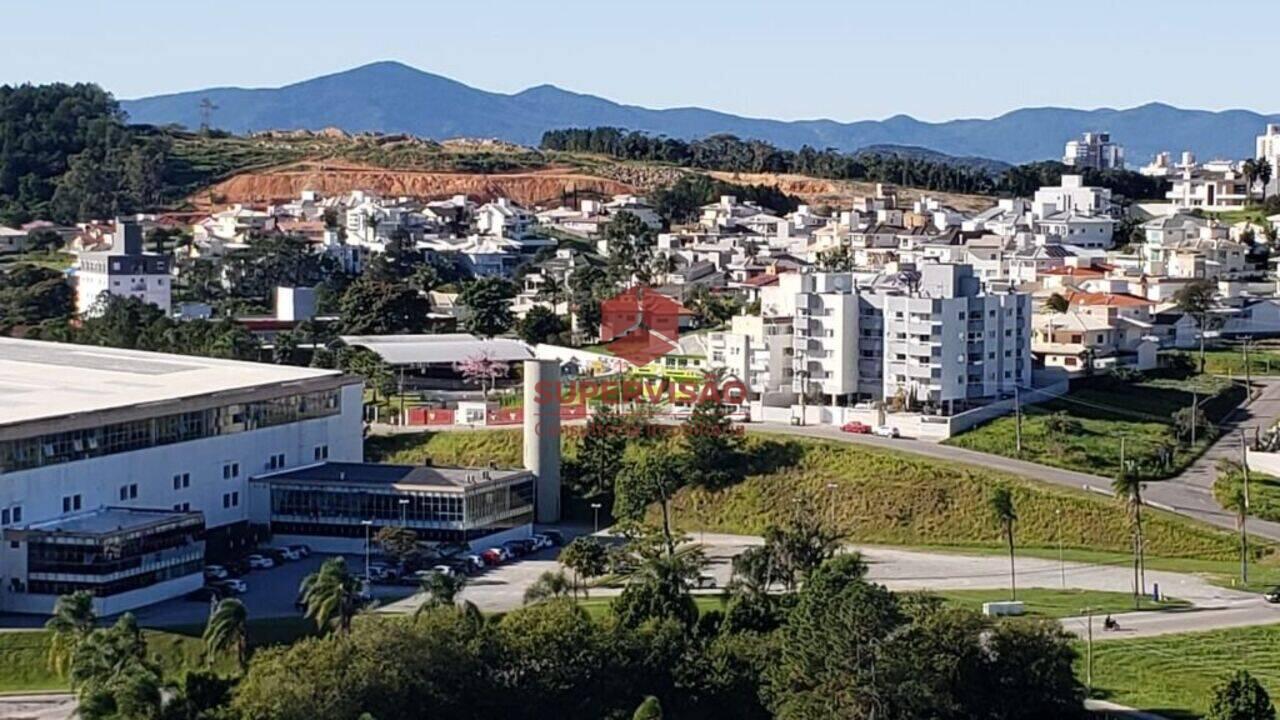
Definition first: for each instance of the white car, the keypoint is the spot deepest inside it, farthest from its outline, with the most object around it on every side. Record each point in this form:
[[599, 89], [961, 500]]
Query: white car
[[233, 585], [260, 562], [888, 431], [540, 542], [704, 582], [444, 570], [215, 572], [288, 553]]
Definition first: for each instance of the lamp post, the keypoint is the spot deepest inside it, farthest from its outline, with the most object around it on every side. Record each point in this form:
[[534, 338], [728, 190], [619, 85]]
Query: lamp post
[[1062, 563], [595, 511], [404, 510], [368, 528]]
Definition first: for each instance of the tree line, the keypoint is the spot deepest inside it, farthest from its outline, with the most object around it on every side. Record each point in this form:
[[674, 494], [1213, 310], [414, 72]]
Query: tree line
[[730, 153], [66, 154]]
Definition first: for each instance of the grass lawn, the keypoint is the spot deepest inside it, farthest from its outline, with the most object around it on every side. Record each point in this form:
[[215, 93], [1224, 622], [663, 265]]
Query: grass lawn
[[53, 260], [1262, 361], [1264, 494], [1141, 413], [24, 654], [1174, 675], [1044, 602]]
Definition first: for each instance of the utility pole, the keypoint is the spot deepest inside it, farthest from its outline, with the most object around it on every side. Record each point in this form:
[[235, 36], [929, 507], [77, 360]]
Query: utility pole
[[1017, 418], [1088, 666], [1248, 377], [1195, 400], [1062, 562], [1244, 512], [1122, 465]]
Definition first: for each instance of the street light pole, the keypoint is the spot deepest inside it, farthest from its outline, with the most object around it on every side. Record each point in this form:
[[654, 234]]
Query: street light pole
[[368, 527], [1088, 671], [1062, 563], [404, 510], [595, 511]]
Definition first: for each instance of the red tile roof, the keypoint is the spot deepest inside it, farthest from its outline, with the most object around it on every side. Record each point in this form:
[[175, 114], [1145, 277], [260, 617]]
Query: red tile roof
[[1114, 299]]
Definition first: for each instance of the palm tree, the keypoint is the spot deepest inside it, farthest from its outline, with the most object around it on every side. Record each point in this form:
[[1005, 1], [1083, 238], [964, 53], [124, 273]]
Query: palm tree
[[549, 585], [440, 589], [1229, 473], [1250, 171], [228, 629], [1196, 299], [1128, 489], [332, 595], [1264, 176], [1002, 508], [73, 619]]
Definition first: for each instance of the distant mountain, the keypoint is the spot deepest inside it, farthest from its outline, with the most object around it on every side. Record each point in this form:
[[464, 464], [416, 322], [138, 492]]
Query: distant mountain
[[395, 98]]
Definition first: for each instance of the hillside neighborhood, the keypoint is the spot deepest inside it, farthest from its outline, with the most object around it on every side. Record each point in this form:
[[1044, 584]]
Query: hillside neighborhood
[[311, 408]]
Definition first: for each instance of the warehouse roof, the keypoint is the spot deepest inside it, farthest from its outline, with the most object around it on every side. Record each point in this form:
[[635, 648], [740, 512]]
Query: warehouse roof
[[439, 349]]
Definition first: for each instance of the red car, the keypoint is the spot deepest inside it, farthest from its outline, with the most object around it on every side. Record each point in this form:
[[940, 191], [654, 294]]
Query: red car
[[492, 556], [856, 427]]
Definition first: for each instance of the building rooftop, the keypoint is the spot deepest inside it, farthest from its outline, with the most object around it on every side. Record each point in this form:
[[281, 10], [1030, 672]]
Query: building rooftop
[[109, 520], [442, 348], [404, 476], [43, 380]]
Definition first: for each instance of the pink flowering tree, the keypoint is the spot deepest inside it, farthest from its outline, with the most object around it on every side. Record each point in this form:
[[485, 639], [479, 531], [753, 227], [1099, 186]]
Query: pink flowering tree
[[484, 370]]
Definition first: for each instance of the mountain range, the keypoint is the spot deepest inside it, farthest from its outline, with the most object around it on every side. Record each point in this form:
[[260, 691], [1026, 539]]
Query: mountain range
[[391, 97]]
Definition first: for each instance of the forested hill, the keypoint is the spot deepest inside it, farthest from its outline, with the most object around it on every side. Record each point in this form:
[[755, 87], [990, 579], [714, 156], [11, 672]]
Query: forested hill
[[926, 170], [67, 154]]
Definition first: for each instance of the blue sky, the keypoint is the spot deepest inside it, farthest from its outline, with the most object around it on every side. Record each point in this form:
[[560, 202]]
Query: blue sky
[[850, 60]]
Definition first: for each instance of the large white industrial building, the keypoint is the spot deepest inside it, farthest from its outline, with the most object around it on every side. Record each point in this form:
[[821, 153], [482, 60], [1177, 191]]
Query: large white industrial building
[[115, 465]]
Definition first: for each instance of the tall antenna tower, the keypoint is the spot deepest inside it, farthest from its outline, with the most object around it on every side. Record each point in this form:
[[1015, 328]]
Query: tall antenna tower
[[206, 112]]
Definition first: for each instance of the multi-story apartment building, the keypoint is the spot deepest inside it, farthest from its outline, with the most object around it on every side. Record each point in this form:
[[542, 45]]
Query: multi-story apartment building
[[1093, 150], [947, 342], [1269, 150], [124, 271], [1214, 186], [118, 466], [758, 351], [825, 335]]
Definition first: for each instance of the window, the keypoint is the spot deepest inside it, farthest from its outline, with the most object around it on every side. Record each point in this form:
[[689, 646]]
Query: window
[[321, 452], [6, 516], [230, 500], [182, 481], [70, 503], [230, 470], [182, 507], [17, 513], [276, 462]]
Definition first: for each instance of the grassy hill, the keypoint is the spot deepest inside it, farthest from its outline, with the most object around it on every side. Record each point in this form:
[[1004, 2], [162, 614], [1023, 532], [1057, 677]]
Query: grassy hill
[[880, 496]]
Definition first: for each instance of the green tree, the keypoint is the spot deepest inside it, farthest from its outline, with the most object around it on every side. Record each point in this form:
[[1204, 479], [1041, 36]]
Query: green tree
[[659, 590], [372, 306], [1057, 303], [630, 243], [650, 474], [541, 325], [440, 589], [587, 557], [650, 709], [400, 543], [1128, 489], [73, 619], [284, 348], [1196, 298], [228, 630], [111, 675], [603, 442], [488, 305], [1250, 171], [798, 548], [1001, 504], [713, 445], [332, 595], [1241, 697], [548, 586]]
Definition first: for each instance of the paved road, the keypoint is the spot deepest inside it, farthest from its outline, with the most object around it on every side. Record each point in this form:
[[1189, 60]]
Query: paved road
[[51, 706], [1187, 494]]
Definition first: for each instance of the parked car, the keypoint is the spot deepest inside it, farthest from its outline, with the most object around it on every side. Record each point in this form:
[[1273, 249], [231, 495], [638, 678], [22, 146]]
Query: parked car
[[238, 567], [554, 536], [516, 548], [231, 586], [1272, 596], [445, 570], [286, 553], [460, 566], [857, 428], [384, 572], [215, 572], [302, 550], [493, 556], [888, 431], [704, 582], [541, 541], [208, 593], [475, 561], [259, 561]]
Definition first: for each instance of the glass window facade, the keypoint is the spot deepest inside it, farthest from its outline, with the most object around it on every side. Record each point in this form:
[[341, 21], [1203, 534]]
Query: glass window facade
[[55, 448]]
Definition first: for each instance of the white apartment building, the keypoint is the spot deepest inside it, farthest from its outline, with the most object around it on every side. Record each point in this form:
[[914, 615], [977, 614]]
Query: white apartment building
[[1214, 186], [1075, 213], [946, 342], [1268, 148], [117, 467], [758, 351], [1093, 150], [124, 271], [825, 334]]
